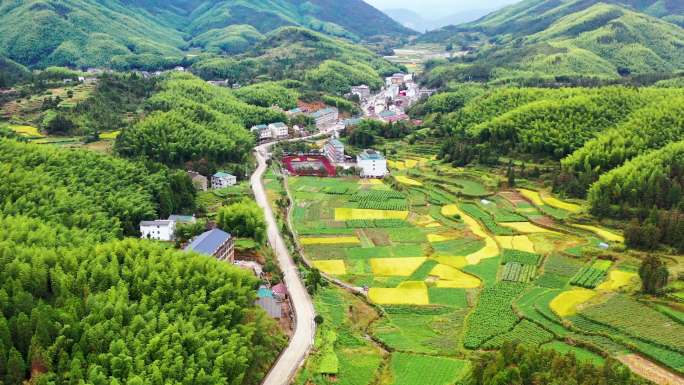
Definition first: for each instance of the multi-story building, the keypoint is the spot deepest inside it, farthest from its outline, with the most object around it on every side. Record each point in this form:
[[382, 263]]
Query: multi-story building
[[334, 150], [215, 243], [363, 91], [326, 116], [279, 130], [372, 164], [223, 179], [161, 230]]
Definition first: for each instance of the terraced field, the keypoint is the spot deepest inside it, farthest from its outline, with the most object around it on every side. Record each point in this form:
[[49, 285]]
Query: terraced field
[[457, 269]]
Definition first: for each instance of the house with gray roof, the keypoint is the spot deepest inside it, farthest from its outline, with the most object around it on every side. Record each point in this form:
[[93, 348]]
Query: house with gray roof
[[215, 243]]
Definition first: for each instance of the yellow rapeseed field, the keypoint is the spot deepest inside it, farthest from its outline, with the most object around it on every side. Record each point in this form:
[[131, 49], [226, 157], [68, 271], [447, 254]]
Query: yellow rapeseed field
[[348, 214], [408, 293], [490, 250], [565, 304], [516, 242], [527, 227], [332, 267], [410, 163], [618, 279], [407, 181], [432, 238], [450, 210], [457, 262], [26, 130], [371, 182], [395, 267], [396, 164], [110, 135], [559, 204], [532, 196], [451, 277], [329, 240], [603, 233]]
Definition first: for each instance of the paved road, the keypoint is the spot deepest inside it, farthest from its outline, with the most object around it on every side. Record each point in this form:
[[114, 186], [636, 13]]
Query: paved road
[[305, 329]]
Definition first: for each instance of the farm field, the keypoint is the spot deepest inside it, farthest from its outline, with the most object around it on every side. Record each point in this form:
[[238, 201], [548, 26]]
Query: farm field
[[457, 268]]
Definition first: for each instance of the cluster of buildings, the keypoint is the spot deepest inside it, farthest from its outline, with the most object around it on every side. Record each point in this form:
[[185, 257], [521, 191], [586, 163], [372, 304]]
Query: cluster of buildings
[[398, 94], [221, 179], [371, 163], [278, 130]]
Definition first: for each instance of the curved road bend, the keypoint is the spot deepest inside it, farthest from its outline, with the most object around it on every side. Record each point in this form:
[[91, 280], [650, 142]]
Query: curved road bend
[[301, 342]]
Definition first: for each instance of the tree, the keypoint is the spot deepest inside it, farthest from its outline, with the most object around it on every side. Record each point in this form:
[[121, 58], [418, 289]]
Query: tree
[[243, 219], [642, 236], [314, 280], [654, 275], [510, 174], [15, 368], [58, 124]]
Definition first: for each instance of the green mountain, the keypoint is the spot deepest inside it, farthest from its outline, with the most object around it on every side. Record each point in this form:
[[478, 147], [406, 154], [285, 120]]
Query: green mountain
[[567, 39], [153, 33], [531, 16]]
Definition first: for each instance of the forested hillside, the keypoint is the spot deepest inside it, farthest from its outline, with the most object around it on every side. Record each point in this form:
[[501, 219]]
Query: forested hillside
[[82, 189], [190, 120], [653, 180], [328, 63], [124, 312], [153, 34], [550, 40], [554, 123]]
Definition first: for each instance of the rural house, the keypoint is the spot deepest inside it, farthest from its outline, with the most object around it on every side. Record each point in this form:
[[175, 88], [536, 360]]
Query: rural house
[[160, 230], [199, 181], [215, 243], [223, 179]]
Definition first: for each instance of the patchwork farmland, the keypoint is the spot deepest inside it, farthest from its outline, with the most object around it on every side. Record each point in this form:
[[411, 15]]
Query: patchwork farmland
[[450, 264]]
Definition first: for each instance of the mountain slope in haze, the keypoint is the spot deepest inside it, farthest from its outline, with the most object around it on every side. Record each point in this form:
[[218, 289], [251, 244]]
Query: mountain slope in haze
[[603, 40], [532, 16], [99, 32], [413, 20]]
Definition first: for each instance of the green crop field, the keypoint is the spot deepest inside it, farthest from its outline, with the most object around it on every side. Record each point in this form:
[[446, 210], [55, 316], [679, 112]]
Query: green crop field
[[415, 369], [447, 287]]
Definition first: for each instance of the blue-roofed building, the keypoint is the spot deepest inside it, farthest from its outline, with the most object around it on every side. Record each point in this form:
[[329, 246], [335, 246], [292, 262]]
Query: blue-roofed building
[[326, 116], [183, 219], [352, 122], [216, 243], [223, 179], [295, 111], [264, 292]]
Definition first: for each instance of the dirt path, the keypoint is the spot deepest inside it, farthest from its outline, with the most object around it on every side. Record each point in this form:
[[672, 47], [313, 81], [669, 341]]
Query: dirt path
[[650, 371]]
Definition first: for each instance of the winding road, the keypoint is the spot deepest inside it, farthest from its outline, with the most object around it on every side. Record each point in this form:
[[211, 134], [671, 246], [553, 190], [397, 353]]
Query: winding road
[[301, 342]]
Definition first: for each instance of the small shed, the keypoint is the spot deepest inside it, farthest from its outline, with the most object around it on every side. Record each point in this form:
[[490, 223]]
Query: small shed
[[271, 306]]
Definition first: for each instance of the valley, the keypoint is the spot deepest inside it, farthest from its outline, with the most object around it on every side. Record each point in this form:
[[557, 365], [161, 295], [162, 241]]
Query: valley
[[308, 192]]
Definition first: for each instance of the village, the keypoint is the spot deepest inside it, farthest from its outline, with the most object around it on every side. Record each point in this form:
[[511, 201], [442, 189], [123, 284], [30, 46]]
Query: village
[[389, 105]]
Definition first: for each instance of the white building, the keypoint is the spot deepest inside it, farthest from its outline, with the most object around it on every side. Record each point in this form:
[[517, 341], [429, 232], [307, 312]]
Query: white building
[[158, 230], [264, 132], [334, 150], [223, 179], [279, 130], [363, 91], [372, 164], [326, 116]]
